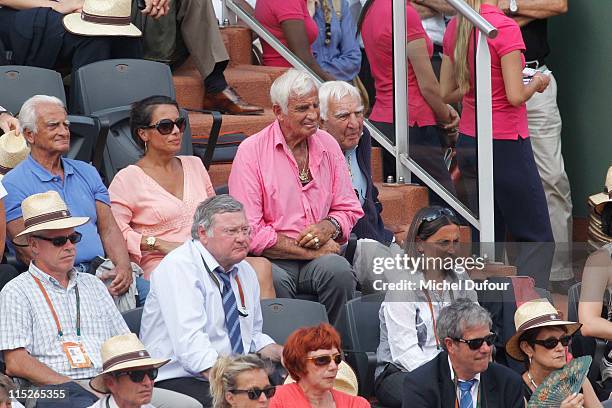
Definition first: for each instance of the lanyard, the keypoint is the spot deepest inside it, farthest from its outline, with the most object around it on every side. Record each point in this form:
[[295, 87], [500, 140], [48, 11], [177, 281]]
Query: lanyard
[[433, 316], [60, 333], [242, 310]]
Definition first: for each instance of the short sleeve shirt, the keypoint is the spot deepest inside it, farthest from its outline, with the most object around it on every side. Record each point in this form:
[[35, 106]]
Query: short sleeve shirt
[[509, 122]]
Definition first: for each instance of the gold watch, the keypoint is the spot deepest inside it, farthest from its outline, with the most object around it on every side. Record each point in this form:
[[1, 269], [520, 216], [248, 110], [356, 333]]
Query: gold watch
[[151, 242]]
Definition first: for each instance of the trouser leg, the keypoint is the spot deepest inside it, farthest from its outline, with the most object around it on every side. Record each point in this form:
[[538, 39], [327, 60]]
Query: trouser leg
[[284, 276], [387, 390]]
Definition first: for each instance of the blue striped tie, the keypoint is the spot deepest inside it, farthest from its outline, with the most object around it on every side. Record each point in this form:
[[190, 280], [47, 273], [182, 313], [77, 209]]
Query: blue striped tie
[[465, 400], [232, 320]]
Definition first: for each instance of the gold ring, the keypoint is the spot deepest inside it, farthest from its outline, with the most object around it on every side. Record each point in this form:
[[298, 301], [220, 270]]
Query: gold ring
[[309, 235], [316, 240]]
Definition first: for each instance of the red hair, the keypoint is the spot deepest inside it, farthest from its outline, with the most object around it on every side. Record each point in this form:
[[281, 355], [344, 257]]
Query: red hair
[[304, 340]]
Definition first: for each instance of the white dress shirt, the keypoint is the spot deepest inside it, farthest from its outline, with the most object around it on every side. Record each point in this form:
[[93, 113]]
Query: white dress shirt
[[101, 403], [184, 319]]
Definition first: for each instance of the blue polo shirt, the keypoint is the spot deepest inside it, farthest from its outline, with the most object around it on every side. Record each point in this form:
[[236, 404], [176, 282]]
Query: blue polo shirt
[[80, 189]]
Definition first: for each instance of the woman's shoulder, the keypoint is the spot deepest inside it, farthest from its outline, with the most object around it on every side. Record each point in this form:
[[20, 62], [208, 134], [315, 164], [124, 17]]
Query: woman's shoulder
[[127, 174], [287, 395], [344, 400], [192, 163]]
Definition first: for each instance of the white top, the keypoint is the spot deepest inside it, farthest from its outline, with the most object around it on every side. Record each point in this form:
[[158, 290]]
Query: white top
[[183, 317], [2, 190], [101, 403], [434, 27], [473, 391]]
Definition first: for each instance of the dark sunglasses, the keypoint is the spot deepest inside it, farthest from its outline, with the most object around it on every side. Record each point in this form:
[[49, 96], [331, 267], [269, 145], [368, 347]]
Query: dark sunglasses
[[435, 213], [138, 375], [552, 342], [255, 393], [326, 360], [166, 126], [74, 238], [475, 344]]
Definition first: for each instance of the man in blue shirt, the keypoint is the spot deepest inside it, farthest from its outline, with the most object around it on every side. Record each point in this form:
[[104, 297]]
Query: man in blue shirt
[[45, 127]]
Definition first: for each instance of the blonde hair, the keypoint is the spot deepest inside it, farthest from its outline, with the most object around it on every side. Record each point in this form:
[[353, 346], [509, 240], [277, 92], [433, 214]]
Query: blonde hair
[[223, 375], [462, 45]]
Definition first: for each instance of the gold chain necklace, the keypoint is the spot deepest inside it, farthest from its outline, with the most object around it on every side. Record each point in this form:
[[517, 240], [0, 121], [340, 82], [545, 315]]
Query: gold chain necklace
[[531, 379], [304, 173]]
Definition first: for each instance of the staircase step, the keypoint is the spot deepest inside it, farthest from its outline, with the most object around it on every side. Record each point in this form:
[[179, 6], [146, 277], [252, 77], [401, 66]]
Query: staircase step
[[237, 40], [401, 202], [201, 123]]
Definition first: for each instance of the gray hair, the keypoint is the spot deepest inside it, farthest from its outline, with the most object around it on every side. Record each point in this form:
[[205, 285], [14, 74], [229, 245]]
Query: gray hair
[[334, 91], [219, 204], [460, 315], [223, 375], [293, 82], [28, 113]]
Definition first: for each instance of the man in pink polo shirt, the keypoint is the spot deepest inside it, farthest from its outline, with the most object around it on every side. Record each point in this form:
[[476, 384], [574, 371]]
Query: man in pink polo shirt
[[295, 186]]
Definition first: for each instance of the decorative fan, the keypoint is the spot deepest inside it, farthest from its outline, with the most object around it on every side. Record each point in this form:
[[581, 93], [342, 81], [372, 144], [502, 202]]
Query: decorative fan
[[561, 384]]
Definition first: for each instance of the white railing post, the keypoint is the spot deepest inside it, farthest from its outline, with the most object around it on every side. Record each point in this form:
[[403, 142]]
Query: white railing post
[[400, 88]]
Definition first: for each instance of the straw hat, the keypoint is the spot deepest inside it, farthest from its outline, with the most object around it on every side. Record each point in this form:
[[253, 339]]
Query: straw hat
[[13, 150], [346, 380], [599, 200], [45, 211], [103, 18], [532, 314], [122, 353]]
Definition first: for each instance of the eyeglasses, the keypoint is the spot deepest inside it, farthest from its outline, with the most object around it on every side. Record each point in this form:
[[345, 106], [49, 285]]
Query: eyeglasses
[[166, 126], [232, 232], [74, 238], [326, 360], [475, 344], [138, 375], [255, 393], [552, 342]]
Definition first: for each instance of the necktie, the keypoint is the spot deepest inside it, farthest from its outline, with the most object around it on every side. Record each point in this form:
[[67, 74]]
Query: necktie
[[465, 399], [232, 320]]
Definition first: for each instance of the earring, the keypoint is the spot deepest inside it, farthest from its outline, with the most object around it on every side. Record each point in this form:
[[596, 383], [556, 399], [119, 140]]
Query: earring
[[145, 149], [529, 360]]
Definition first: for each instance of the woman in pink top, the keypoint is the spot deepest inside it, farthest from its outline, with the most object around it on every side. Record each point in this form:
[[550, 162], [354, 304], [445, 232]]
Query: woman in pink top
[[291, 22], [520, 204], [154, 200], [312, 355], [426, 110]]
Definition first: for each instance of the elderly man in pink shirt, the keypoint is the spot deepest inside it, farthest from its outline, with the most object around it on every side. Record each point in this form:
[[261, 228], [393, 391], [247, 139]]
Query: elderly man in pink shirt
[[296, 189]]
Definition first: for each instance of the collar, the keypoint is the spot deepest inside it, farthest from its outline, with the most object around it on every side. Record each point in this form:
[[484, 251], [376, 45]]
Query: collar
[[45, 277], [44, 174], [452, 374], [315, 148]]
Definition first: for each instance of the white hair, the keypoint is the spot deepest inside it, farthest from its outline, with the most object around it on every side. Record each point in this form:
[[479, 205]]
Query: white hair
[[293, 82], [28, 114], [334, 91]]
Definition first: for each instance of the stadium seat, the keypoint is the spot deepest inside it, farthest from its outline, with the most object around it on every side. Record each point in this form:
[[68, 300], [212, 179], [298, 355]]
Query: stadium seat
[[132, 319], [283, 316]]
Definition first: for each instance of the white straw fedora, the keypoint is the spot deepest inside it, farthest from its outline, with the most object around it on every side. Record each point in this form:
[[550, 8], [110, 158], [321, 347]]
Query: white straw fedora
[[532, 314], [599, 200], [45, 211], [122, 353], [13, 150], [103, 18]]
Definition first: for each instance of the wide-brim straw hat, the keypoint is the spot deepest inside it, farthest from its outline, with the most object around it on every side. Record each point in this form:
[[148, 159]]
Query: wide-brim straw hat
[[13, 150], [532, 314], [45, 211], [122, 353], [599, 200], [103, 18], [346, 380]]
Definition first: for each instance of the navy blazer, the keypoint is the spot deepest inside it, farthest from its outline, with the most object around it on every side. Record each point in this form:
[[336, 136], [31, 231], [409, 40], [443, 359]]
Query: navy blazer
[[430, 386]]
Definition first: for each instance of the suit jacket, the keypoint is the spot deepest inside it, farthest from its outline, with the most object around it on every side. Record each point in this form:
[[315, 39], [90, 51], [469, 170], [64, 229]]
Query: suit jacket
[[371, 224], [430, 386]]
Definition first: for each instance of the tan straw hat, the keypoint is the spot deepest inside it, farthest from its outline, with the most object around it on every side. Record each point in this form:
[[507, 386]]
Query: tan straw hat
[[346, 380], [103, 18], [599, 200], [45, 211], [532, 314], [122, 353], [13, 150]]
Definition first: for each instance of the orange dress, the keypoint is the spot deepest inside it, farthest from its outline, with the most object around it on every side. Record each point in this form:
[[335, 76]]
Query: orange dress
[[292, 396]]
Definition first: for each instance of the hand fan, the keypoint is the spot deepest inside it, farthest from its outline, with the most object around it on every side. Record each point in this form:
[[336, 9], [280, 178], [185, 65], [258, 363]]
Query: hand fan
[[561, 383]]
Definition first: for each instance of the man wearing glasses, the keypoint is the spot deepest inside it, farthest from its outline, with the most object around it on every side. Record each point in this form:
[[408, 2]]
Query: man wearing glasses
[[463, 375], [55, 319]]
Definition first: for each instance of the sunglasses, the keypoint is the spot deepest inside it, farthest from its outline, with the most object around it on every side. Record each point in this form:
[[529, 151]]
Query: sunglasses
[[138, 375], [552, 342], [255, 393], [326, 360], [475, 344], [74, 238], [166, 126]]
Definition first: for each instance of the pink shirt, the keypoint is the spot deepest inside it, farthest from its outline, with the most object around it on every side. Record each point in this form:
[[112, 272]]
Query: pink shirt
[[377, 36], [144, 208], [271, 13], [292, 396], [265, 179], [509, 122]]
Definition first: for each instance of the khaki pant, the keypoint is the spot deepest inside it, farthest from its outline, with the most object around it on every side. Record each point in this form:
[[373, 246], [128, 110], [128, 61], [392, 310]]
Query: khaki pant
[[545, 132]]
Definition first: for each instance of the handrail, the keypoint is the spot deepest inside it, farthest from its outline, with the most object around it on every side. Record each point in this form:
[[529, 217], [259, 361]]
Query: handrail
[[476, 19]]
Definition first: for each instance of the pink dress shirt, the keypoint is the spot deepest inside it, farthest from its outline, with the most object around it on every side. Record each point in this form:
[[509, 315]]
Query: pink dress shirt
[[144, 208], [265, 179]]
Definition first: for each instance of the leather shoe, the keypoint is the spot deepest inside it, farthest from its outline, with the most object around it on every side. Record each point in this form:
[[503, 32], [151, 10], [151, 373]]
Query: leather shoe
[[228, 101]]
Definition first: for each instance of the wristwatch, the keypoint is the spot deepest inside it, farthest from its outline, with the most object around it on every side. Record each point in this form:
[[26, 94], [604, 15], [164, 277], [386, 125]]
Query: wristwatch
[[151, 242], [513, 7]]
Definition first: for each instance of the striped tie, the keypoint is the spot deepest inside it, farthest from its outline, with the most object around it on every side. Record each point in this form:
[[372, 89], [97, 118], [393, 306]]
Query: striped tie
[[465, 400], [232, 320]]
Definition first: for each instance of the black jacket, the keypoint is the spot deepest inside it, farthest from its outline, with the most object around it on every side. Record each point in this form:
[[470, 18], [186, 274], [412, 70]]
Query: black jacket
[[430, 386]]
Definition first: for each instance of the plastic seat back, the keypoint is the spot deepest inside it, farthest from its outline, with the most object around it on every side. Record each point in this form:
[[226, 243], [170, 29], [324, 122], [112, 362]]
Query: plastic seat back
[[282, 316], [19, 83], [132, 319]]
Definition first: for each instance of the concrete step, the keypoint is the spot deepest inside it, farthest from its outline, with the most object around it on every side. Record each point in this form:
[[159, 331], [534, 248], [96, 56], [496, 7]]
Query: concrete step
[[401, 202], [201, 123]]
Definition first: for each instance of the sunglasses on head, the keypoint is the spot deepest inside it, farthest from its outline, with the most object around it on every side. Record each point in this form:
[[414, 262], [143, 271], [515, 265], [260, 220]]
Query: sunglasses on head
[[138, 375], [255, 393], [74, 238], [475, 344], [326, 360], [434, 213], [552, 342], [166, 126]]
